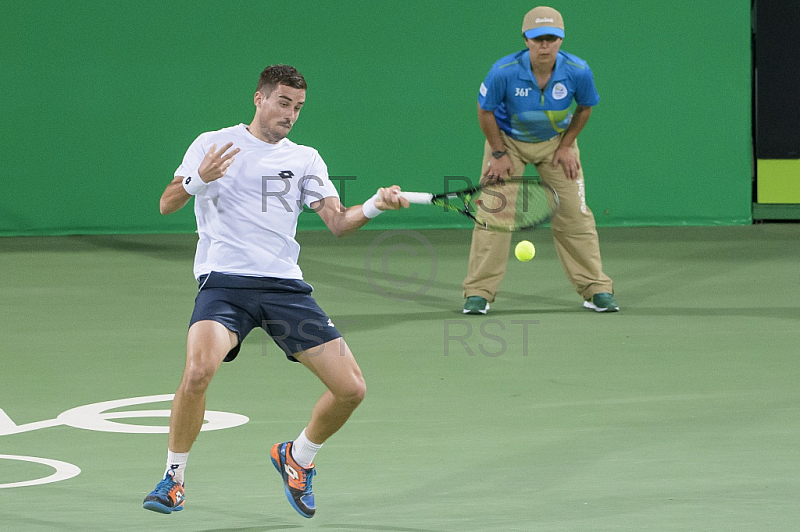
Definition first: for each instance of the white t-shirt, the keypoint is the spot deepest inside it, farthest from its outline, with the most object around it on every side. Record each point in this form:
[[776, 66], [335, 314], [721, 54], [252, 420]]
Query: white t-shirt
[[247, 219]]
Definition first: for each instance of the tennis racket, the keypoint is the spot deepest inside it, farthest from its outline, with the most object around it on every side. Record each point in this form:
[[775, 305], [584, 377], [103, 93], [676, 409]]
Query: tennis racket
[[510, 205]]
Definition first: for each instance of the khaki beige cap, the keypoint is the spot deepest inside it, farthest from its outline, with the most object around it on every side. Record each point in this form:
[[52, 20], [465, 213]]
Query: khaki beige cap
[[543, 20]]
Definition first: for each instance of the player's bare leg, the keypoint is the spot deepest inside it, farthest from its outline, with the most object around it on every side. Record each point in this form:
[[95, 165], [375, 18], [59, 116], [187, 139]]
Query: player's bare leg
[[207, 344], [335, 366]]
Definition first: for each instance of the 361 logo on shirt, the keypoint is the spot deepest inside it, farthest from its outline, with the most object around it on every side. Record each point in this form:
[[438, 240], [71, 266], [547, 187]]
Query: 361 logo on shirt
[[522, 91]]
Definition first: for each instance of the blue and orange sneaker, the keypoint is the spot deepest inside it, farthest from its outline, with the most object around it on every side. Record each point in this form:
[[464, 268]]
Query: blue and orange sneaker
[[296, 479], [167, 497]]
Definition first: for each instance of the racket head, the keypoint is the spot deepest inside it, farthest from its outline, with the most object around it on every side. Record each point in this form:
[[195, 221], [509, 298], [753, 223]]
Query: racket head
[[513, 204], [462, 201]]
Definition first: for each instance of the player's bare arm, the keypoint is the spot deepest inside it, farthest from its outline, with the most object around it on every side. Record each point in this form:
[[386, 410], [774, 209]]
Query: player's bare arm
[[343, 220], [214, 165], [564, 154]]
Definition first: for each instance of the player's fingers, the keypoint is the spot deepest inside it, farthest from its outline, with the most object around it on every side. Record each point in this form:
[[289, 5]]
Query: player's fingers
[[231, 153], [397, 201], [384, 198], [401, 201], [225, 148]]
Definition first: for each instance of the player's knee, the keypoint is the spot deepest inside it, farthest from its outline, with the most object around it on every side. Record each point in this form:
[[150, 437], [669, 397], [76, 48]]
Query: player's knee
[[361, 391], [354, 393], [197, 377]]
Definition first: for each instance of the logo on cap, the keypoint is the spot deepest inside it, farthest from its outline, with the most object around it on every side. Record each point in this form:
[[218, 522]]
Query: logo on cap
[[540, 20]]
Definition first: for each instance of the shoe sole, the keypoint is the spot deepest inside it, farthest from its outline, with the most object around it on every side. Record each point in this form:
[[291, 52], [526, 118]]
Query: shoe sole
[[155, 506], [288, 493], [467, 311], [589, 304]]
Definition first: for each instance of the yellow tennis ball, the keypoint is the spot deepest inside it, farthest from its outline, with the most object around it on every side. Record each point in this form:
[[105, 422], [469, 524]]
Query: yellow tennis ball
[[525, 251]]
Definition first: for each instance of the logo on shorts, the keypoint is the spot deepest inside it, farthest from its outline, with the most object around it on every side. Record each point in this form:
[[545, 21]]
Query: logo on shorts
[[286, 174], [559, 91]]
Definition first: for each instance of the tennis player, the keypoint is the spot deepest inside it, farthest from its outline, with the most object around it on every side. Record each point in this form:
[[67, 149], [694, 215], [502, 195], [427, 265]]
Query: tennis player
[[250, 183]]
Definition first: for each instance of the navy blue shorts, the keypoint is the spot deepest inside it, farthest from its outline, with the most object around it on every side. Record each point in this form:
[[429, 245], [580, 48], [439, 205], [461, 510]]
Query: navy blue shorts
[[284, 308]]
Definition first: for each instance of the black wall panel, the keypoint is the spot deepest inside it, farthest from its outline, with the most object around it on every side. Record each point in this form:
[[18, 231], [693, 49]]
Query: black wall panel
[[777, 78]]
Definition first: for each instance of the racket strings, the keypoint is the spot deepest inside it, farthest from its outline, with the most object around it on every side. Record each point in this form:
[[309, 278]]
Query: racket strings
[[513, 205], [460, 203]]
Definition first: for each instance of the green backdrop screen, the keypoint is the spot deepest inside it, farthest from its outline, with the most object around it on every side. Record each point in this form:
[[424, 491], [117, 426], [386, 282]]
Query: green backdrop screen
[[100, 100]]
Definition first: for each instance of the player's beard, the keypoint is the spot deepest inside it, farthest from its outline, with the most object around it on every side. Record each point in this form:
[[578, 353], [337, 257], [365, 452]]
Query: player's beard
[[276, 134]]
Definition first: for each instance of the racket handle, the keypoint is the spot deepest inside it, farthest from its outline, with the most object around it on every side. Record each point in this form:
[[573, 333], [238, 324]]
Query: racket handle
[[417, 197]]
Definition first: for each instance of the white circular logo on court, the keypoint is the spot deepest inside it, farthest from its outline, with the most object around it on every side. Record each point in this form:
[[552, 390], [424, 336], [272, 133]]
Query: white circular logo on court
[[559, 91]]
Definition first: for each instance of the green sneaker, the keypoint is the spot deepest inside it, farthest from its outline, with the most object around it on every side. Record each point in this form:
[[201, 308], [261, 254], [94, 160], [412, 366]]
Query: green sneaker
[[603, 302], [476, 305]]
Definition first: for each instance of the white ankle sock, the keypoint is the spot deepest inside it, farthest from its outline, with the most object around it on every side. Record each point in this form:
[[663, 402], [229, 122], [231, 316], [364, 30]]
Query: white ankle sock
[[304, 450], [177, 462]]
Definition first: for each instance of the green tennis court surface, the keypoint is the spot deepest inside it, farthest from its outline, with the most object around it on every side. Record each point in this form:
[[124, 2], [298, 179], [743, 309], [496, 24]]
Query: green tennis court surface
[[682, 412]]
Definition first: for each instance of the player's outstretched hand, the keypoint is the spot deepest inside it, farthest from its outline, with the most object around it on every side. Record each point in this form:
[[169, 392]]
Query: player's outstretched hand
[[216, 162], [390, 199]]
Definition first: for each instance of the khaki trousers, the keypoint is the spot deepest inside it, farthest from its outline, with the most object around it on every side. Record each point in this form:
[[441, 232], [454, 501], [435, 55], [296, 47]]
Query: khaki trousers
[[573, 228]]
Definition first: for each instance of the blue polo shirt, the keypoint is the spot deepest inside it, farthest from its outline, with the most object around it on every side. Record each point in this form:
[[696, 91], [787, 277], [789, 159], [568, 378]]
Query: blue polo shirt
[[529, 114]]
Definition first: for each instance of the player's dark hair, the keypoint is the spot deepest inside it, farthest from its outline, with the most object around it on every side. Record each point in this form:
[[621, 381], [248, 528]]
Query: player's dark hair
[[275, 75]]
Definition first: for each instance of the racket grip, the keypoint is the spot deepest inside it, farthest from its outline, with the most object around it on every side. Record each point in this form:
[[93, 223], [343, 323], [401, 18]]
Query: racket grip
[[417, 197]]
